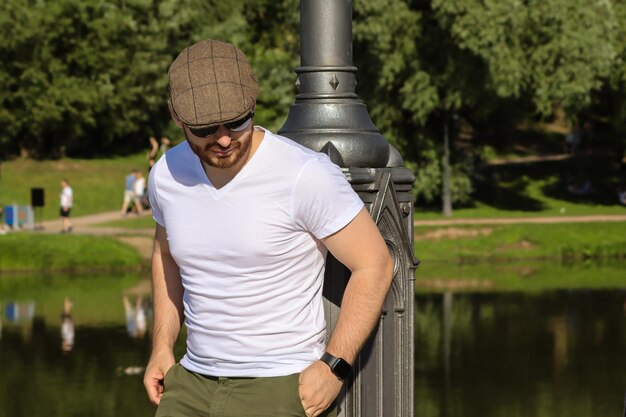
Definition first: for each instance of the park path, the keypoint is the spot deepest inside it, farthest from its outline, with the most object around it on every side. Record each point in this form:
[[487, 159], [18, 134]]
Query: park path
[[89, 224], [524, 220], [142, 238]]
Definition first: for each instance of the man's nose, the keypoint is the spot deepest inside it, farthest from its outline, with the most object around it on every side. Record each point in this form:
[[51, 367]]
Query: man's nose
[[223, 136]]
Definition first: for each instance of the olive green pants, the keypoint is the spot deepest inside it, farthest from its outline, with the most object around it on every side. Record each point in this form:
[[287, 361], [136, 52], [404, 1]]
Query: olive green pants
[[188, 394]]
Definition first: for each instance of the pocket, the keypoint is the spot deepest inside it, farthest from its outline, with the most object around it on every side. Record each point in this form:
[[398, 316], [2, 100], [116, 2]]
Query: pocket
[[169, 374], [300, 406]]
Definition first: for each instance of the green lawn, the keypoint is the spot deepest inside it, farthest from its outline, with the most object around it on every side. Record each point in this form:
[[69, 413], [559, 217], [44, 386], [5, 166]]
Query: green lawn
[[521, 241], [68, 252], [440, 276], [98, 184]]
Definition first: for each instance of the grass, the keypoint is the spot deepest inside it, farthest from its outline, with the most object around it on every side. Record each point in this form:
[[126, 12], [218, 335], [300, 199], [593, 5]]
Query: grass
[[531, 276], [98, 184], [521, 257], [21, 252], [521, 241], [540, 188]]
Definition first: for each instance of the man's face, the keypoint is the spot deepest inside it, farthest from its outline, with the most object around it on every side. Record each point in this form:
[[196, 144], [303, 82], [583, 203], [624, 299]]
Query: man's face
[[224, 149]]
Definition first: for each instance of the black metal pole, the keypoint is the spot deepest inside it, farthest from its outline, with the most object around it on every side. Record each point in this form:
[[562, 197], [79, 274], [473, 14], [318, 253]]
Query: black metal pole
[[328, 115]]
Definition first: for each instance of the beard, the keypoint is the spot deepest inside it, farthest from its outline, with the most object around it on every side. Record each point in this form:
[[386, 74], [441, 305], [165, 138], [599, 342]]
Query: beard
[[209, 153]]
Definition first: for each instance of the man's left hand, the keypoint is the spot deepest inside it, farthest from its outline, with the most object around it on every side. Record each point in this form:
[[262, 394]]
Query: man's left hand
[[319, 387]]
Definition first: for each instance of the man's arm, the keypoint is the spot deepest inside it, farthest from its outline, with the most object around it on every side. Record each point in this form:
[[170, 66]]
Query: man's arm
[[361, 248], [167, 298]]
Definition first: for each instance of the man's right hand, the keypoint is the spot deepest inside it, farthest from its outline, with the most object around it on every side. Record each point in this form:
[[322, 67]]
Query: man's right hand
[[160, 362]]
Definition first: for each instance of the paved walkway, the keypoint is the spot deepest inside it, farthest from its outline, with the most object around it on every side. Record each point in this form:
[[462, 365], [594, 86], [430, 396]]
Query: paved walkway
[[522, 220], [142, 238], [89, 224]]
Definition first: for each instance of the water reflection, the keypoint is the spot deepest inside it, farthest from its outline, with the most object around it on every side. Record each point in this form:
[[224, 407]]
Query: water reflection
[[136, 325], [67, 326], [521, 354], [67, 348], [490, 354]]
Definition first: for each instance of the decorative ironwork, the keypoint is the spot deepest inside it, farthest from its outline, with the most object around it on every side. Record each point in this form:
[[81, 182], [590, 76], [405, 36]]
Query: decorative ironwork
[[329, 117]]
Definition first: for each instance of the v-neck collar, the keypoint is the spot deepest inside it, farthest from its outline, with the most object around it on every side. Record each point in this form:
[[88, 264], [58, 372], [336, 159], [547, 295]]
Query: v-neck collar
[[218, 193]]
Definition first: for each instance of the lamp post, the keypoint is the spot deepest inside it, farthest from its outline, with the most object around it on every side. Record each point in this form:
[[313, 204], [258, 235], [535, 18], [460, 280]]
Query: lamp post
[[329, 117]]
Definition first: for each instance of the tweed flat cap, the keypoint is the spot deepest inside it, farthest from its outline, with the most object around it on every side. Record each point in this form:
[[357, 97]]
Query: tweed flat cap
[[211, 83]]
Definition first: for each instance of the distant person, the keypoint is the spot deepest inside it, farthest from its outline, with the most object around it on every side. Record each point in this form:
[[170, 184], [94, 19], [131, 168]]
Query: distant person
[[67, 200], [129, 191], [572, 139], [67, 326], [165, 144], [580, 188], [135, 317], [621, 196], [153, 152], [139, 189], [157, 150]]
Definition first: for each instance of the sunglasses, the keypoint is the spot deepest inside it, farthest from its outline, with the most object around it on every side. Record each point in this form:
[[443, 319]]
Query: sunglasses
[[237, 126]]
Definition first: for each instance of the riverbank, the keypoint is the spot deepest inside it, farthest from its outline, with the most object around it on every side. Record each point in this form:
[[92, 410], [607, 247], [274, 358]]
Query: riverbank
[[496, 242], [88, 248], [107, 241], [66, 253]]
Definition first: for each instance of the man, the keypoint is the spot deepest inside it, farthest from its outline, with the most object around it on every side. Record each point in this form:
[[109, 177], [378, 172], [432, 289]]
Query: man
[[129, 193], [244, 222], [139, 188], [66, 202]]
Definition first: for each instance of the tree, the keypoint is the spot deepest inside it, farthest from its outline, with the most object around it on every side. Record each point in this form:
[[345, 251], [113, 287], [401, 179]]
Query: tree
[[84, 77], [75, 70], [425, 60]]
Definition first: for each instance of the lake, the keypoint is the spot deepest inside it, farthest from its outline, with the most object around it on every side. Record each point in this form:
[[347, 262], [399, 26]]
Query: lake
[[75, 346]]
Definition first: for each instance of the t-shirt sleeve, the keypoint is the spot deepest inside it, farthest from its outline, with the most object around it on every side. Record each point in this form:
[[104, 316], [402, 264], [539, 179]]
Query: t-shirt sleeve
[[157, 214], [323, 200]]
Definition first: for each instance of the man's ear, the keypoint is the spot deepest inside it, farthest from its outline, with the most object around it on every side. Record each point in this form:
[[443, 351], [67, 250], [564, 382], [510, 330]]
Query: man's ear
[[175, 117]]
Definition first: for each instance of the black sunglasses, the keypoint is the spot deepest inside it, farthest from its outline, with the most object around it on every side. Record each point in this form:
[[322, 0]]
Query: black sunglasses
[[236, 126]]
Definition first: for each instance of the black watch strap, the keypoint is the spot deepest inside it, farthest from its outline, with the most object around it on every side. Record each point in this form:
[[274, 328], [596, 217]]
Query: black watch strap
[[338, 366]]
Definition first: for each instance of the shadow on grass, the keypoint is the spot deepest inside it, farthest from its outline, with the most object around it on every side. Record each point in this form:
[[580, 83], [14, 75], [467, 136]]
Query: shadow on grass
[[582, 193], [584, 179], [508, 196]]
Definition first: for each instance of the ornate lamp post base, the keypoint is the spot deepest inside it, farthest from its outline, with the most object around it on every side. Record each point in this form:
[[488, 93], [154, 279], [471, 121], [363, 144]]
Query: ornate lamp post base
[[329, 117]]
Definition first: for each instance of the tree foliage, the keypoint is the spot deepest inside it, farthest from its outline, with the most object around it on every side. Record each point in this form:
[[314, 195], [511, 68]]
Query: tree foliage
[[84, 77], [425, 60], [90, 76], [553, 51]]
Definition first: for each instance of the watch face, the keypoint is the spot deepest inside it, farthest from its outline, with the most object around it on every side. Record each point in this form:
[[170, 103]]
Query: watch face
[[338, 366], [342, 369]]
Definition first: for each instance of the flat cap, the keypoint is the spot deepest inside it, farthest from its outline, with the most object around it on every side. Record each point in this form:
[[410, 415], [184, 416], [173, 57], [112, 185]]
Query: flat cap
[[211, 83]]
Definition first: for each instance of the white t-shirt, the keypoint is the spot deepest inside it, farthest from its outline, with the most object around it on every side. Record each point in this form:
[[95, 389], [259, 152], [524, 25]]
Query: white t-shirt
[[139, 186], [66, 197], [249, 254]]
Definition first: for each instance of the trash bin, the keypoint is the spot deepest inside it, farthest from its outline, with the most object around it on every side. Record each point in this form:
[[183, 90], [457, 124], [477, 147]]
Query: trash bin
[[19, 216], [8, 215]]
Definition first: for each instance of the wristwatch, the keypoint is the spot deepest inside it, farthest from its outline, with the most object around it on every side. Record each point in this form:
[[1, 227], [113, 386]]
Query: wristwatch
[[338, 366]]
